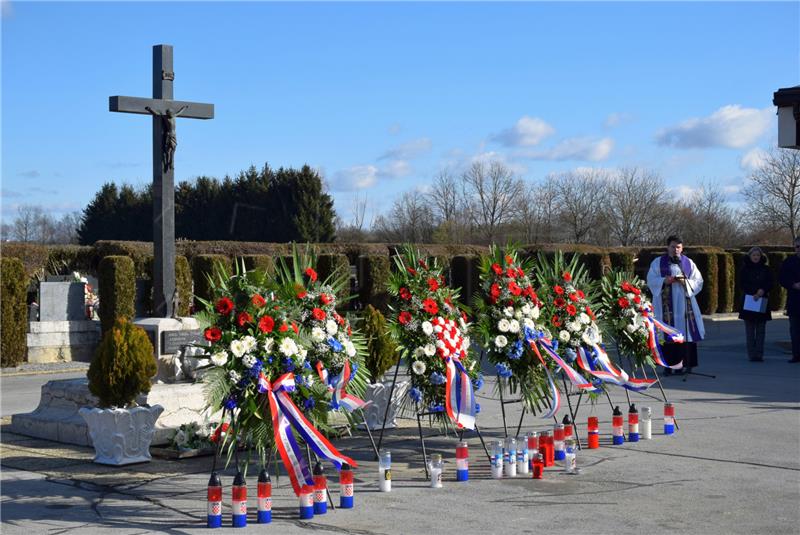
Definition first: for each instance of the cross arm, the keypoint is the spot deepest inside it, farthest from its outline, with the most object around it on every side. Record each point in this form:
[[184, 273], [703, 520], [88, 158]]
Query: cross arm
[[193, 110]]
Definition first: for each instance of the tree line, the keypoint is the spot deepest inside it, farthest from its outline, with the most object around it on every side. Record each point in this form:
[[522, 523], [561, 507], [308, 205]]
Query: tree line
[[487, 204]]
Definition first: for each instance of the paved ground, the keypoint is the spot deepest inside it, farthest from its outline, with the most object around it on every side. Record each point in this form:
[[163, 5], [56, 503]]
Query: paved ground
[[734, 467]]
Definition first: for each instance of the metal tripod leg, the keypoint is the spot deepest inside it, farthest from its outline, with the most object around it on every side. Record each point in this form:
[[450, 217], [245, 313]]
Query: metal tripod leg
[[485, 449], [571, 412], [663, 394], [388, 404], [502, 405], [422, 441], [369, 431], [521, 416]]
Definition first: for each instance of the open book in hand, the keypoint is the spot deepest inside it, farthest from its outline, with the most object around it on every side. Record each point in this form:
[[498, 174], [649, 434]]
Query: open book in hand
[[755, 305]]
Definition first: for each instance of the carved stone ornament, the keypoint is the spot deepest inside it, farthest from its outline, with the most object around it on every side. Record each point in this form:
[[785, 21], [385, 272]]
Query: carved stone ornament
[[121, 436], [378, 393]]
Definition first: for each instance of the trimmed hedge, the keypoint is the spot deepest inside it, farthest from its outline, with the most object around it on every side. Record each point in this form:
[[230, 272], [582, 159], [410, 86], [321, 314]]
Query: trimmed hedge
[[726, 283], [622, 260], [258, 262], [373, 276], [738, 265], [183, 282], [327, 265], [706, 261], [117, 280], [13, 300], [140, 252], [466, 274], [777, 297], [203, 267], [597, 264]]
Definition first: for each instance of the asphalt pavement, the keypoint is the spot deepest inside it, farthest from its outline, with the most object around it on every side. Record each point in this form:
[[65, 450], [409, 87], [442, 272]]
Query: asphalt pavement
[[733, 467]]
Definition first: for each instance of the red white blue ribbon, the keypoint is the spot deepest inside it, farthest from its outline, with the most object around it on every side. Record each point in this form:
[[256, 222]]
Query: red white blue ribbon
[[286, 417], [608, 372], [671, 333], [459, 396], [338, 388], [574, 377], [555, 401]]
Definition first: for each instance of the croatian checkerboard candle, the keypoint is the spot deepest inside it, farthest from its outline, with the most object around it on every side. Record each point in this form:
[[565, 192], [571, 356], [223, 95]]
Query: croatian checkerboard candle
[[462, 461], [346, 484], [616, 427], [306, 502], [633, 424], [669, 418], [239, 501], [214, 501], [320, 490], [264, 498]]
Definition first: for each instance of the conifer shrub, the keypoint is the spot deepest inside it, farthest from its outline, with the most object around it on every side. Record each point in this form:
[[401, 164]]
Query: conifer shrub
[[373, 278], [726, 273], [183, 282], [622, 260], [123, 365], [258, 262], [706, 261], [13, 285], [381, 349], [777, 297], [328, 264], [117, 283], [203, 267]]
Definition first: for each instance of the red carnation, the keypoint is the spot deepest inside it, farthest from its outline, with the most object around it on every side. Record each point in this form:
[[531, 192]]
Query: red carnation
[[580, 294], [283, 328], [571, 310], [325, 299], [412, 271], [311, 274], [509, 260], [404, 317], [464, 316], [405, 294], [556, 321], [318, 314], [213, 334], [295, 328], [266, 324], [301, 294], [637, 299], [591, 314], [573, 297], [224, 306], [567, 276], [422, 264], [258, 301], [218, 432], [559, 302], [623, 303], [430, 306], [514, 288], [520, 272], [494, 291], [635, 290], [497, 269], [558, 289], [433, 284], [511, 273], [338, 318], [243, 319]]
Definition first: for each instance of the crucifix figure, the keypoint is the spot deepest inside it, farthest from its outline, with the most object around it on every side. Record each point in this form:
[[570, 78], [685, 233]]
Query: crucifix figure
[[164, 110]]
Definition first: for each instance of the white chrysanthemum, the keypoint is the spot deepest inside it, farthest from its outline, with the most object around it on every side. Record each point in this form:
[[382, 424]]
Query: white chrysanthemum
[[526, 309], [527, 322], [309, 379], [418, 367], [419, 352], [220, 358], [584, 318], [250, 343], [248, 361], [503, 325], [630, 328], [349, 348], [465, 344], [429, 350], [318, 335], [427, 328], [303, 353], [535, 312], [573, 326], [267, 345], [518, 314], [234, 376], [630, 296], [288, 347], [238, 348], [564, 336], [331, 327], [513, 326], [591, 336], [509, 312], [500, 341]]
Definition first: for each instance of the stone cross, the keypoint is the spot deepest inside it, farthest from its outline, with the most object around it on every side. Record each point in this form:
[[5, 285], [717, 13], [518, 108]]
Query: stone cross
[[163, 110]]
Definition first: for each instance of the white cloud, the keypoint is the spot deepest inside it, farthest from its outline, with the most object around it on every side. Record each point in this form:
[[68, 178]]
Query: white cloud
[[577, 148], [731, 189], [408, 150], [617, 119], [730, 126], [753, 159], [355, 178], [491, 156], [684, 192], [527, 132], [395, 169]]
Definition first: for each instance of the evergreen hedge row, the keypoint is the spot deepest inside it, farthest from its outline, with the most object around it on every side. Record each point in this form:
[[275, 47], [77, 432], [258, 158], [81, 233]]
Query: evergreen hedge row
[[117, 281], [465, 274], [726, 282], [205, 267], [259, 262], [14, 314], [706, 261], [738, 265], [373, 276], [777, 297], [329, 264]]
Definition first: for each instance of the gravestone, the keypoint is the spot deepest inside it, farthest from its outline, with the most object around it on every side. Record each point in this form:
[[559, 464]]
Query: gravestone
[[62, 301]]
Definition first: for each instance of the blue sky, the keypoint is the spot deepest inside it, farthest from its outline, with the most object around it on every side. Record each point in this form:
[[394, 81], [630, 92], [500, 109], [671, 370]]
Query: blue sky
[[382, 96]]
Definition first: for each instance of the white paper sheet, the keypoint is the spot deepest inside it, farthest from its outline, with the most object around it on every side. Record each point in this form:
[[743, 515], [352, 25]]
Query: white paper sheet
[[753, 305]]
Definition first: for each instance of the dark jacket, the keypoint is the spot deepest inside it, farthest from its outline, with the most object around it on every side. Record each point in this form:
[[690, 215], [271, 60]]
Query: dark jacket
[[754, 277], [789, 274]]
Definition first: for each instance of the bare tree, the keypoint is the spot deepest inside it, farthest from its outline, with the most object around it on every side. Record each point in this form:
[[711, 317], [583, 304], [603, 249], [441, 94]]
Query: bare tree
[[706, 218], [492, 193], [634, 200], [65, 230], [773, 191], [581, 196], [410, 219], [536, 209]]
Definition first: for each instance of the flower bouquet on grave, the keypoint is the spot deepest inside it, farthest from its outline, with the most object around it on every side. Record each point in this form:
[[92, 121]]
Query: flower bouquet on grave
[[91, 300], [259, 376], [433, 333], [335, 350], [629, 320], [574, 324], [507, 310]]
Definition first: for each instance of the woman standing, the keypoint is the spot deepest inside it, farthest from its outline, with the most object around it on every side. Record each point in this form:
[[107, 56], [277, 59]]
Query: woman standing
[[755, 280]]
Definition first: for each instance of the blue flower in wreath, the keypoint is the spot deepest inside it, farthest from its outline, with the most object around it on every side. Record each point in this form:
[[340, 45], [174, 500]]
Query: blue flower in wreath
[[335, 344], [307, 365], [256, 368], [516, 351], [436, 408], [503, 370], [230, 403], [477, 383], [571, 355], [437, 378], [415, 394], [309, 404], [288, 364]]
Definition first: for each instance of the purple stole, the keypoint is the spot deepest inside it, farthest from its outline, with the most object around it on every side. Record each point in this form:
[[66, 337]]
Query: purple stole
[[666, 297]]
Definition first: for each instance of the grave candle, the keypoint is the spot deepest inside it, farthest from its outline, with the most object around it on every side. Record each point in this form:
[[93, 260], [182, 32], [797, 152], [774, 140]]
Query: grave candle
[[239, 501], [214, 498], [616, 427], [264, 498], [320, 490], [462, 461], [306, 502], [346, 484], [647, 428], [523, 454], [510, 457], [633, 424], [594, 432], [558, 442], [385, 471], [669, 418]]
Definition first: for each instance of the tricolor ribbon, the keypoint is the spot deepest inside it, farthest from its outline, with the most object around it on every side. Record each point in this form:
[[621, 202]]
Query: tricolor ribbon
[[555, 401], [459, 396], [609, 373], [337, 386], [286, 416], [671, 333]]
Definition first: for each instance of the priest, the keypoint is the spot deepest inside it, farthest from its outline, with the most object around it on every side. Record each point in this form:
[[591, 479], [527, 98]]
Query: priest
[[675, 281]]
